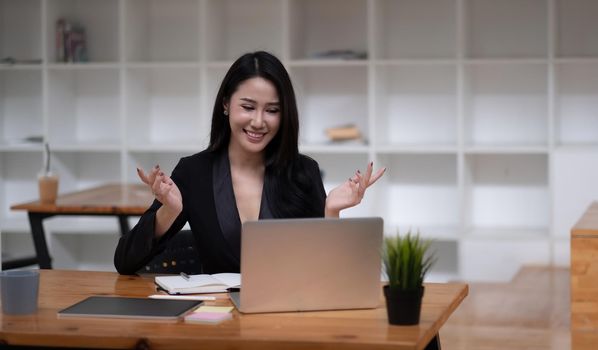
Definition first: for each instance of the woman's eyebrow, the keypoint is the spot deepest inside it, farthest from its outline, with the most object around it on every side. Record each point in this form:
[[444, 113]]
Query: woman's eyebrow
[[250, 100]]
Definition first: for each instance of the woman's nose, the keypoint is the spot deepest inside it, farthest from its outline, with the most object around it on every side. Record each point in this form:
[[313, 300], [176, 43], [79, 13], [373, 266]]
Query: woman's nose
[[258, 120]]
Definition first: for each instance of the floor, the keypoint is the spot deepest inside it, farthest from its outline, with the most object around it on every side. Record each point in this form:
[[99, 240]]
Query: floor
[[530, 312]]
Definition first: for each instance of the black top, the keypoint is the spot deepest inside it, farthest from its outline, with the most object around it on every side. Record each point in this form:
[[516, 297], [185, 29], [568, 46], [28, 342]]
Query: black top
[[209, 206]]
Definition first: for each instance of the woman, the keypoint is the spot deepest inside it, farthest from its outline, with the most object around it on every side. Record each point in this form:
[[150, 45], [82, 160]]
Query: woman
[[251, 170]]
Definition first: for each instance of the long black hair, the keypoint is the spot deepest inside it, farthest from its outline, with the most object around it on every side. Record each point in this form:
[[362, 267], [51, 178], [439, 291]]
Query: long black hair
[[288, 185], [282, 149]]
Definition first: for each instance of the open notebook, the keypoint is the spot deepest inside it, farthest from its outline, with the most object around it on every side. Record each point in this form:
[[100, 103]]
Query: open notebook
[[217, 283]]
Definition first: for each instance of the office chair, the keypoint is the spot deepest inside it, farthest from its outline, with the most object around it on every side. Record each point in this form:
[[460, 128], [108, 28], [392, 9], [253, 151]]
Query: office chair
[[180, 255]]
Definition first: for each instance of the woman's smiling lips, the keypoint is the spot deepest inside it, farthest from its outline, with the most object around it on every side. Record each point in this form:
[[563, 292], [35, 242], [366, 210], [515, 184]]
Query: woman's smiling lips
[[254, 136]]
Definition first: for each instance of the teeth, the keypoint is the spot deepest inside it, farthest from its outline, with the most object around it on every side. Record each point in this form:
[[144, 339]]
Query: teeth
[[252, 134]]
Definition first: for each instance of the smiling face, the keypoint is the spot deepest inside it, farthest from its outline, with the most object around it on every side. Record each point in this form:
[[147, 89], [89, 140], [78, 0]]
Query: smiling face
[[254, 115]]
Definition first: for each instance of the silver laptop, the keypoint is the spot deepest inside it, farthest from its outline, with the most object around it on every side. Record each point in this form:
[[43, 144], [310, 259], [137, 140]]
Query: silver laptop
[[310, 264]]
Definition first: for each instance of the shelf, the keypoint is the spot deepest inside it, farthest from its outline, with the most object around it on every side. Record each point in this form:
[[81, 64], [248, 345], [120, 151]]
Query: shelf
[[84, 107], [98, 17], [340, 148], [416, 104], [320, 26], [483, 111], [82, 225], [231, 36], [18, 183], [415, 62], [166, 148], [585, 147], [82, 66], [446, 268], [82, 170], [224, 65], [336, 169], [524, 36], [18, 224], [20, 25], [579, 60], [436, 233], [20, 66], [576, 104], [492, 260], [506, 149], [330, 97], [421, 190], [574, 187], [163, 106], [508, 190], [327, 63], [91, 252], [20, 147], [416, 148], [89, 147], [507, 233], [561, 252], [577, 28], [506, 104], [442, 277], [159, 65], [147, 160], [415, 29], [505, 61], [20, 105], [162, 31]]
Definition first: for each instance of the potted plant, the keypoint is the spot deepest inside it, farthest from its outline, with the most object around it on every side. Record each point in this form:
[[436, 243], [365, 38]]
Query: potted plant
[[406, 260]]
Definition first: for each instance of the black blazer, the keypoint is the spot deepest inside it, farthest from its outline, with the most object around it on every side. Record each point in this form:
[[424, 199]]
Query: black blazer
[[217, 252]]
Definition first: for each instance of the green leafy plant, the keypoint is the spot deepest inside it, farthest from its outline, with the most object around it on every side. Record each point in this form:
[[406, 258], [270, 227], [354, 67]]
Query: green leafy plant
[[407, 259]]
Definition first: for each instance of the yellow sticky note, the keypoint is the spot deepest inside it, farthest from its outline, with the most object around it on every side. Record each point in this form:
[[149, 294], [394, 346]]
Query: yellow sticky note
[[214, 309]]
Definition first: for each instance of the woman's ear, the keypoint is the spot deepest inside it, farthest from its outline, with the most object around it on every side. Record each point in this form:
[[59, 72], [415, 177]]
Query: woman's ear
[[225, 107]]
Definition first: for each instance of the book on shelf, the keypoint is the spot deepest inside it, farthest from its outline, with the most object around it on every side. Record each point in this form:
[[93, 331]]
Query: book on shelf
[[343, 133], [195, 284], [71, 45]]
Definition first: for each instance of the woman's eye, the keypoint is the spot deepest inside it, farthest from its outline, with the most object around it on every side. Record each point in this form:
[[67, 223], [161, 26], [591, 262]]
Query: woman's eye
[[248, 108], [273, 111]]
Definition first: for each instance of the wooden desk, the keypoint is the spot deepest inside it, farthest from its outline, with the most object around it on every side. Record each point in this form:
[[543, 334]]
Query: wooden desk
[[584, 271], [352, 329], [120, 200]]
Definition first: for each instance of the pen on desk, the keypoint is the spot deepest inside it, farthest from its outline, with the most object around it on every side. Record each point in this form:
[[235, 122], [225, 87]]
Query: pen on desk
[[185, 276], [181, 297]]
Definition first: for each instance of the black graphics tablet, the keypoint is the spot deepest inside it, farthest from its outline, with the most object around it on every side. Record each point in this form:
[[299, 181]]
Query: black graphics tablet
[[123, 307]]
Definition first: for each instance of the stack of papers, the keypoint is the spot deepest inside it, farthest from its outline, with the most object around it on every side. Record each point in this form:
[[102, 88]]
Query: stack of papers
[[210, 314]]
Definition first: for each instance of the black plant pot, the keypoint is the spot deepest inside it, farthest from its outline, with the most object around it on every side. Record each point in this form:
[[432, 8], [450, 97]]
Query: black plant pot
[[403, 306]]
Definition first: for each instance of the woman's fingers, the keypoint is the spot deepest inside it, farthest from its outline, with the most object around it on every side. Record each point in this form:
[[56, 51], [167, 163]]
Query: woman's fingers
[[376, 176], [157, 185], [364, 180], [154, 173], [142, 176]]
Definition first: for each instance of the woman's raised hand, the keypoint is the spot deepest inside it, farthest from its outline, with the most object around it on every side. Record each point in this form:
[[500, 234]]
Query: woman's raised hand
[[163, 188], [351, 192]]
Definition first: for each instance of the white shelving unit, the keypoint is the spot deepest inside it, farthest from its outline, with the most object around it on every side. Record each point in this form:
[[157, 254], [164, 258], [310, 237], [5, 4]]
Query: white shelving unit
[[483, 111]]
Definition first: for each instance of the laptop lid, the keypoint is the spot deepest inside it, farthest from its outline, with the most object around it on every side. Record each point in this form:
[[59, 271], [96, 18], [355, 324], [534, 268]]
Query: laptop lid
[[310, 264]]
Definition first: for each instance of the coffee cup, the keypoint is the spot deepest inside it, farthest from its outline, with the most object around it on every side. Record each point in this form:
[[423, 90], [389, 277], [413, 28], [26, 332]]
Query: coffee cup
[[48, 188], [19, 291]]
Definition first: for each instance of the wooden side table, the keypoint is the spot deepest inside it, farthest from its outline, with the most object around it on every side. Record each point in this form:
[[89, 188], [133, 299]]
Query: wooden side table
[[584, 271], [120, 200]]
